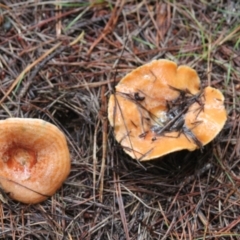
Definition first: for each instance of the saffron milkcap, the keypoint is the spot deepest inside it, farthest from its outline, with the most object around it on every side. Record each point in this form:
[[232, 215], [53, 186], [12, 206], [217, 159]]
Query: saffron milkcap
[[142, 98], [34, 159]]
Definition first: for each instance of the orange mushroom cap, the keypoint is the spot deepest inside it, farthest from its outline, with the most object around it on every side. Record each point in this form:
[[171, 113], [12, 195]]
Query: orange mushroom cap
[[34, 159], [211, 119], [141, 101]]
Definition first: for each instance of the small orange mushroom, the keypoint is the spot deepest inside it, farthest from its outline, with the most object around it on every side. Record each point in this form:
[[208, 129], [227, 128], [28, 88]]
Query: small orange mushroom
[[34, 159], [140, 110]]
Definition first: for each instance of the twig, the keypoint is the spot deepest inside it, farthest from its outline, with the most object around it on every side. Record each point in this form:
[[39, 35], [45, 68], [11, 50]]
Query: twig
[[26, 70], [110, 24], [104, 139], [120, 204]]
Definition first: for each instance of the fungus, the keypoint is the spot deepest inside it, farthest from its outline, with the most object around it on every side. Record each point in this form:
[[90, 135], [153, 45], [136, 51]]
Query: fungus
[[159, 108], [34, 159]]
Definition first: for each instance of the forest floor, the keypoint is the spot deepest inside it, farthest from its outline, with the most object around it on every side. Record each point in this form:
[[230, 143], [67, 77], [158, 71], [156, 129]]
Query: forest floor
[[60, 61]]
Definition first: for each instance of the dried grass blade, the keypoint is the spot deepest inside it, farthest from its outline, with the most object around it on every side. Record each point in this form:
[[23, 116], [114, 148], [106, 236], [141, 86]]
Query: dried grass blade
[[121, 206], [26, 70], [104, 140]]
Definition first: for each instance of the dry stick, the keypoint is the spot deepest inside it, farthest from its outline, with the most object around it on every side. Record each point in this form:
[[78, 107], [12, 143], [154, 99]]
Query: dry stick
[[110, 24], [42, 23], [120, 204], [234, 125], [33, 48], [229, 227], [48, 57], [209, 63], [173, 222], [27, 69], [92, 85], [35, 72], [223, 38], [2, 221], [4, 6], [104, 139], [58, 9], [95, 159]]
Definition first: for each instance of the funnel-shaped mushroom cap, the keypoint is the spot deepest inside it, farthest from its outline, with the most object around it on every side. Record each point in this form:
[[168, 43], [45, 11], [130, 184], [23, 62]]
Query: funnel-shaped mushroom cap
[[34, 159], [142, 99]]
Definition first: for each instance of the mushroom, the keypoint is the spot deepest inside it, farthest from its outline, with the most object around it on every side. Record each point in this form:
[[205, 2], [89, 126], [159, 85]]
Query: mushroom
[[34, 159], [159, 108], [211, 119]]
